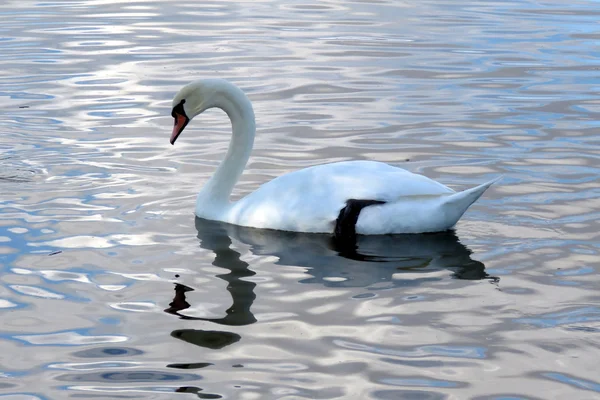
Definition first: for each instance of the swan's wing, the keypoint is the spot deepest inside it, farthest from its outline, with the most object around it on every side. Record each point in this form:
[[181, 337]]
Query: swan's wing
[[370, 180], [309, 200]]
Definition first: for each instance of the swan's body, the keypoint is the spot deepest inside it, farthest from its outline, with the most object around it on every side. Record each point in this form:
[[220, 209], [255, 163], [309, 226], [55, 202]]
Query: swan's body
[[310, 200]]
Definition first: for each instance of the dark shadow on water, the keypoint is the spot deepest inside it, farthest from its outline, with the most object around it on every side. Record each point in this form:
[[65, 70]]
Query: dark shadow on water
[[369, 260], [197, 391], [242, 291], [209, 339], [189, 365], [238, 314]]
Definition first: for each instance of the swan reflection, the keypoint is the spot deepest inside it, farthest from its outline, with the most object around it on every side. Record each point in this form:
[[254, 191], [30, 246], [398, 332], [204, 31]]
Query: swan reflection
[[368, 261], [365, 262]]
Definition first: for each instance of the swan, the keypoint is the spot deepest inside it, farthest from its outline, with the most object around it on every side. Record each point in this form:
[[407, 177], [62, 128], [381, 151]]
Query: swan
[[341, 198]]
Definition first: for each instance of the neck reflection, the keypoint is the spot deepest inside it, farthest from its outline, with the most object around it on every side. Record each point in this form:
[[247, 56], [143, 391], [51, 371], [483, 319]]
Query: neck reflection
[[367, 261], [213, 237]]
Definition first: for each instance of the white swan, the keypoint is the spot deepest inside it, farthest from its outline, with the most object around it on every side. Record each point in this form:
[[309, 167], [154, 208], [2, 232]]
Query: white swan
[[319, 198]]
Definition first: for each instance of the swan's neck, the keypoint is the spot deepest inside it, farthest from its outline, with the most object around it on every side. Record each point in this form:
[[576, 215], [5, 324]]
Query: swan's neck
[[214, 196]]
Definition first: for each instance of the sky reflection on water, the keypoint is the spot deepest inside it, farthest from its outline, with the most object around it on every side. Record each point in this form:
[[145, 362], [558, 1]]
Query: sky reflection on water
[[96, 224]]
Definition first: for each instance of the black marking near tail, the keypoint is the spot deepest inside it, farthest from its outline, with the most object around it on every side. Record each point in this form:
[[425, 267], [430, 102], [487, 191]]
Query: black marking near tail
[[345, 225]]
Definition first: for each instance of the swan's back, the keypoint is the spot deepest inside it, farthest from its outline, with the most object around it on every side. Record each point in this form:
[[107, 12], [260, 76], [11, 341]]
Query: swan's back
[[309, 200]]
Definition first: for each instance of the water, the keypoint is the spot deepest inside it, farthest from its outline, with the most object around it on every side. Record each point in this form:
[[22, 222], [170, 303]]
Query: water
[[110, 288]]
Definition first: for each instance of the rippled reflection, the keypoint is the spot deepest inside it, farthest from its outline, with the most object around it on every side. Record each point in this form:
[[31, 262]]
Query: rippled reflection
[[458, 91], [370, 260], [242, 291], [367, 261]]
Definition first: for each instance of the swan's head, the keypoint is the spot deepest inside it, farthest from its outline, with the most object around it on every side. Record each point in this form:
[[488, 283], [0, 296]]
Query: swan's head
[[198, 96], [193, 99]]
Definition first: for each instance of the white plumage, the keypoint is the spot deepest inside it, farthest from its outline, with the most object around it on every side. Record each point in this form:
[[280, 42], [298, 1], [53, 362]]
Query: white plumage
[[310, 200]]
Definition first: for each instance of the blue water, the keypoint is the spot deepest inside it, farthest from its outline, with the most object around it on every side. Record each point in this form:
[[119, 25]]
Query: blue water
[[111, 289]]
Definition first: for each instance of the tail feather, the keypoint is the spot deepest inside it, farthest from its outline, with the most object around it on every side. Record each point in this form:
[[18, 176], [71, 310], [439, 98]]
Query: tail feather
[[418, 214], [456, 204]]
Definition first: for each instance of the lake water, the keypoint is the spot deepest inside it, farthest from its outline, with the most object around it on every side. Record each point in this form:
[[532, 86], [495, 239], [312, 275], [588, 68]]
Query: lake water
[[111, 289]]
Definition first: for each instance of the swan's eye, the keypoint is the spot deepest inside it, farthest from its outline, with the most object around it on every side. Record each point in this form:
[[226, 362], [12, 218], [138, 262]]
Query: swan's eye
[[178, 109]]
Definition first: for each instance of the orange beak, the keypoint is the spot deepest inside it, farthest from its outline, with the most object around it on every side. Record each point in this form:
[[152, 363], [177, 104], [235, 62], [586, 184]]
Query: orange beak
[[180, 122]]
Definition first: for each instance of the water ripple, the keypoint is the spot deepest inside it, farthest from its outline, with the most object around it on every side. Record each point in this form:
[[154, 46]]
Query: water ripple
[[100, 252]]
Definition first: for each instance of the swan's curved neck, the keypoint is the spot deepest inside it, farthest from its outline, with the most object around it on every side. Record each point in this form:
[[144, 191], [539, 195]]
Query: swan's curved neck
[[214, 196]]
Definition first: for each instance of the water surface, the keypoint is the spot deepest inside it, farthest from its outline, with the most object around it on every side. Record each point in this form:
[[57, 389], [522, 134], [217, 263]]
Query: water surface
[[111, 289]]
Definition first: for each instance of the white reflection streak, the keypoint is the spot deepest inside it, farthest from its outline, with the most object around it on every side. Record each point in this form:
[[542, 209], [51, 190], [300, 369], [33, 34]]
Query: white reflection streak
[[7, 304], [140, 277], [69, 338], [93, 366], [134, 306], [97, 242], [36, 292], [123, 389]]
